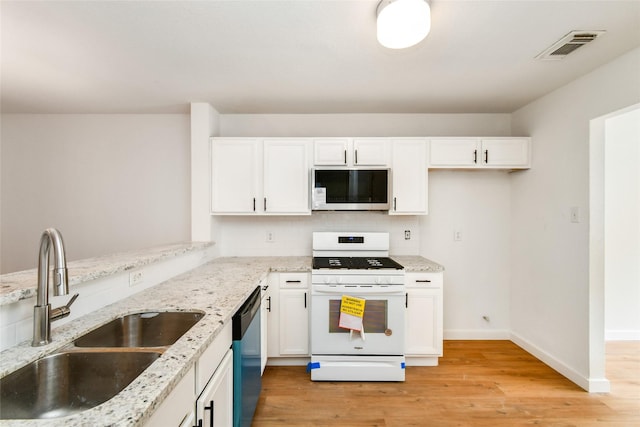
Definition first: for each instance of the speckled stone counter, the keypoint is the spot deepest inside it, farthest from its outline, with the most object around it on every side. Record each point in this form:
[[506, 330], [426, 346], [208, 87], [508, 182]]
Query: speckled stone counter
[[22, 284], [413, 264], [217, 288]]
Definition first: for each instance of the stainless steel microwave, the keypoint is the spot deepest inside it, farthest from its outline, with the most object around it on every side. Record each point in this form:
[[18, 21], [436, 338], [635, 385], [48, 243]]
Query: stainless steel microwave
[[349, 189]]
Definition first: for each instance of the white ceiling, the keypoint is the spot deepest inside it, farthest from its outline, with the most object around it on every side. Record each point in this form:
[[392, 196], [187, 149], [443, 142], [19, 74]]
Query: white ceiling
[[294, 56]]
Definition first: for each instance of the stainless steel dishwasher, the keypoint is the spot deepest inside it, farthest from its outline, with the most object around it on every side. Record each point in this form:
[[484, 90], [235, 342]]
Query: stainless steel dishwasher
[[247, 380]]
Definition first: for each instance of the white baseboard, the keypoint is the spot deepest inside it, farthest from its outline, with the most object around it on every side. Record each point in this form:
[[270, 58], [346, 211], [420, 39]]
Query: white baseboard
[[476, 334], [288, 361], [598, 385], [621, 335]]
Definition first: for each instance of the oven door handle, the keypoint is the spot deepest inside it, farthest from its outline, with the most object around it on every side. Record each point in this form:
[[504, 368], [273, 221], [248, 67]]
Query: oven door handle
[[357, 290]]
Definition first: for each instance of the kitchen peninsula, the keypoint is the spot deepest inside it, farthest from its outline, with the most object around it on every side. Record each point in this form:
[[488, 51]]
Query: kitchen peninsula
[[217, 288]]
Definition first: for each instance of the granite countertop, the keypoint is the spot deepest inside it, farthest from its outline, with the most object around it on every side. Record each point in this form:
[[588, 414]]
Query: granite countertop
[[217, 288], [22, 284], [418, 264]]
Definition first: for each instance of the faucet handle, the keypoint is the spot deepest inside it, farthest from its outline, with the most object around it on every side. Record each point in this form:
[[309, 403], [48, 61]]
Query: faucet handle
[[64, 311]]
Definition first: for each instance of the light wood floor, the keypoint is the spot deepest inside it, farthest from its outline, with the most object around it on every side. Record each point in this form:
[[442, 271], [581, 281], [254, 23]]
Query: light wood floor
[[478, 383]]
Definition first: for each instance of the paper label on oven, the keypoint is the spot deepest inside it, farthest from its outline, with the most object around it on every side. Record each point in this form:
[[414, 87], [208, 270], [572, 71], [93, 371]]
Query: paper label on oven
[[351, 313]]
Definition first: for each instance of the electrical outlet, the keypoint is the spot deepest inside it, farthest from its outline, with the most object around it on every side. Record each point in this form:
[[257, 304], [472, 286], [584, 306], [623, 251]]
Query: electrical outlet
[[407, 234], [457, 235], [270, 237], [136, 277], [575, 214]]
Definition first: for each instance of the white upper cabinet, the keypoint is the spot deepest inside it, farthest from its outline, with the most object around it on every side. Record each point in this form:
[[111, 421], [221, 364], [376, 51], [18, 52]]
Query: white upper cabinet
[[330, 151], [251, 176], [506, 152], [236, 171], [351, 152], [409, 177], [453, 152], [488, 153], [286, 176], [371, 152]]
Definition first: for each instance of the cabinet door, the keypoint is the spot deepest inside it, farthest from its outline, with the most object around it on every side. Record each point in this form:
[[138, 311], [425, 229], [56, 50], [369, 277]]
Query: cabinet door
[[371, 152], [424, 322], [215, 404], [286, 176], [506, 152], [330, 151], [409, 177], [178, 405], [235, 174], [273, 326], [294, 322], [454, 152], [265, 309], [189, 420]]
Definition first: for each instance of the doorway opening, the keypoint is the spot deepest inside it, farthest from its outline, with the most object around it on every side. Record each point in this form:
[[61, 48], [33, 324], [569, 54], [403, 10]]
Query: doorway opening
[[614, 232]]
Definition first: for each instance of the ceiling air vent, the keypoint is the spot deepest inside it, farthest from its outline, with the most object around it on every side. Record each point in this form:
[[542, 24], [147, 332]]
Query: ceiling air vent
[[568, 44]]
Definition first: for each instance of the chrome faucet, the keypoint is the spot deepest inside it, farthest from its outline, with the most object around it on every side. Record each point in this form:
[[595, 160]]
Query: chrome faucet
[[43, 315]]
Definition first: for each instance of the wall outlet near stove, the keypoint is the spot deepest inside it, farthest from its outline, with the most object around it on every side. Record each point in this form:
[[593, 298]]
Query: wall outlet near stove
[[407, 234], [270, 237]]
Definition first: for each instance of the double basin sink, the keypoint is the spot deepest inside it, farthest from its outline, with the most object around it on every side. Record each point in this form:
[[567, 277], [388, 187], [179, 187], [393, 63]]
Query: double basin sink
[[93, 369]]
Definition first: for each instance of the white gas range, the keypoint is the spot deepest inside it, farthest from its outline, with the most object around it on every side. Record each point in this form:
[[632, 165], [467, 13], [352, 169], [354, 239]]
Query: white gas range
[[352, 264]]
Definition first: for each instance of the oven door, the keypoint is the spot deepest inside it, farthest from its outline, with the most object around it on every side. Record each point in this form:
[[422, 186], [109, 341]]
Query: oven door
[[383, 320]]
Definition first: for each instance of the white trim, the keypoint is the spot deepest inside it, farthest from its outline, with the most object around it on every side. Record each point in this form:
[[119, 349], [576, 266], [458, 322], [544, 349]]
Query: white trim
[[599, 385], [622, 335], [476, 334]]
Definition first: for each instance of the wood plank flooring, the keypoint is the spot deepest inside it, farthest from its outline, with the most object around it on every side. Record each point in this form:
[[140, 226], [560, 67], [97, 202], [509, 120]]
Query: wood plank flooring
[[478, 383]]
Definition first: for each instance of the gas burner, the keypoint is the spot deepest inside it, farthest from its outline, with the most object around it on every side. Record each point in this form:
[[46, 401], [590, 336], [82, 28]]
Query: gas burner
[[373, 262], [355, 263]]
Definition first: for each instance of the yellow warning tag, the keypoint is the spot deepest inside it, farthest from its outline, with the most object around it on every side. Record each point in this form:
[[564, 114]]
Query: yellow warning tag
[[352, 306]]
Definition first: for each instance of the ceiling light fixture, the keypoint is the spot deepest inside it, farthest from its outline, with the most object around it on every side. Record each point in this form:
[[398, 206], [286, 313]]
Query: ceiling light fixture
[[403, 23]]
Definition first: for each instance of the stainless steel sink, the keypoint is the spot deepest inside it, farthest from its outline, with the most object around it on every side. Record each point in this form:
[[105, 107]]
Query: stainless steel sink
[[149, 329], [70, 382]]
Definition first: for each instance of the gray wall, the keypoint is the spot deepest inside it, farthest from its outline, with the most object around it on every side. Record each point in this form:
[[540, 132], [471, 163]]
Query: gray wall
[[109, 183]]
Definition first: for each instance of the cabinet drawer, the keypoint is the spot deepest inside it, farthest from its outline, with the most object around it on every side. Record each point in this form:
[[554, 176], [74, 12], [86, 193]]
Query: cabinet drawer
[[294, 280], [423, 280]]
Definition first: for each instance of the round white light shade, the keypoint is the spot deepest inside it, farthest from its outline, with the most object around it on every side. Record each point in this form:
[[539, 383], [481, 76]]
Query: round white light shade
[[403, 23]]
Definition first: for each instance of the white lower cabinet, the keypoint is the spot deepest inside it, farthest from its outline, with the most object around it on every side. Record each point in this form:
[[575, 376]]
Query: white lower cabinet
[[273, 321], [214, 382], [424, 318], [177, 408], [214, 406], [189, 421], [288, 319], [208, 384], [265, 309], [294, 314]]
